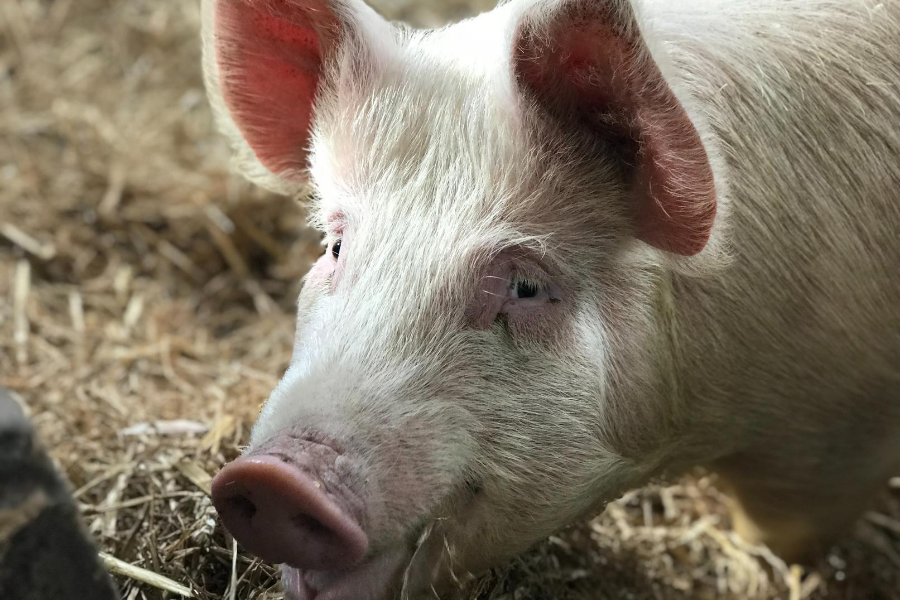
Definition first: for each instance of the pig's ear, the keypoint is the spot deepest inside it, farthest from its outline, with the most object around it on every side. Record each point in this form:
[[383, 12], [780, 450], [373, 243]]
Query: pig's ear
[[588, 59], [265, 64]]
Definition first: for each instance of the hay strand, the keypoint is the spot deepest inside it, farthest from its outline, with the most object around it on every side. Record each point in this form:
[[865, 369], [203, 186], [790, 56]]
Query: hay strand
[[119, 567]]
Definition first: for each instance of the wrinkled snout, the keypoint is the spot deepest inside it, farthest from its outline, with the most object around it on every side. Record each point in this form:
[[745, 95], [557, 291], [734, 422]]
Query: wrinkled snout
[[283, 514]]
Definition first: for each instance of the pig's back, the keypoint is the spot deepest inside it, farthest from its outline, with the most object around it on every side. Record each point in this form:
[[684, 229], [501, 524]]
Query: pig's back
[[805, 324]]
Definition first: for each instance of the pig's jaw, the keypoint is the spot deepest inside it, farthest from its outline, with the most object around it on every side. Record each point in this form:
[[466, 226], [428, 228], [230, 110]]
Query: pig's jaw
[[376, 579], [408, 570]]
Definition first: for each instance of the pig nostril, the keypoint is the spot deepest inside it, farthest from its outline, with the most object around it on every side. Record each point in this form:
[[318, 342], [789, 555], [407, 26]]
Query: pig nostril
[[312, 526], [243, 506]]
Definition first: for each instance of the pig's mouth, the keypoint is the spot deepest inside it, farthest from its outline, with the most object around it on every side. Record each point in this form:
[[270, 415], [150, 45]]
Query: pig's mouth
[[405, 570], [402, 572], [375, 579]]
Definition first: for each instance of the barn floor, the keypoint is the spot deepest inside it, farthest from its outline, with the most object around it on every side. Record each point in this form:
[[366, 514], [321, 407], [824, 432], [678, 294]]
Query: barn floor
[[146, 310]]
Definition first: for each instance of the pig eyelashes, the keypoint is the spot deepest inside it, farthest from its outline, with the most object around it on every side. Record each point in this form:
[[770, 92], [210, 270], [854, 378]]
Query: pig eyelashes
[[523, 289], [526, 290]]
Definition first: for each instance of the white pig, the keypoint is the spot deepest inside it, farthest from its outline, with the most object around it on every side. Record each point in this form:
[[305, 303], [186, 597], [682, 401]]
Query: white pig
[[572, 245]]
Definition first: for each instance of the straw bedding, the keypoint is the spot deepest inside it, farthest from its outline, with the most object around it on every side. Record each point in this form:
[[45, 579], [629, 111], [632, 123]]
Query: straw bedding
[[146, 309]]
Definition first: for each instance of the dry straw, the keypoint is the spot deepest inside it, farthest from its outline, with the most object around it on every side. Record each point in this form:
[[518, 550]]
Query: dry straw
[[146, 302]]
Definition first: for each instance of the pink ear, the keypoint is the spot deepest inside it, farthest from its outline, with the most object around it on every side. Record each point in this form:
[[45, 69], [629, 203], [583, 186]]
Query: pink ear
[[590, 61], [269, 55]]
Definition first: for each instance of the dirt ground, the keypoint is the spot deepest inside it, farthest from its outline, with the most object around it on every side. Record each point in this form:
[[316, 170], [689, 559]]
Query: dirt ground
[[146, 310]]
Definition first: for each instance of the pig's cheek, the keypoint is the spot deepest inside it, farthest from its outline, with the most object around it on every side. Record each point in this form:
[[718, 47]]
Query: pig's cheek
[[316, 285], [548, 324], [319, 277]]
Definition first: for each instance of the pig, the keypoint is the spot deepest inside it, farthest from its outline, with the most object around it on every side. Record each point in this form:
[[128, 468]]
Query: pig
[[571, 246]]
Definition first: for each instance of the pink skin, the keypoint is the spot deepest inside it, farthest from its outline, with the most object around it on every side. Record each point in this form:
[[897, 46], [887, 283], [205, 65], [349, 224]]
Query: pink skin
[[294, 499], [298, 476], [497, 295], [283, 514], [328, 269], [373, 580], [674, 185], [321, 271], [285, 81]]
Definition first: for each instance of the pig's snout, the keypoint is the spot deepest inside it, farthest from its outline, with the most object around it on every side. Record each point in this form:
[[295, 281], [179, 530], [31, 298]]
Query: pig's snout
[[282, 514]]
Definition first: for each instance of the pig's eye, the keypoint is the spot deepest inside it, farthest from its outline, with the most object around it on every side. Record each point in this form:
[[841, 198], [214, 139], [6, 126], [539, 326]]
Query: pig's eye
[[525, 289], [336, 250]]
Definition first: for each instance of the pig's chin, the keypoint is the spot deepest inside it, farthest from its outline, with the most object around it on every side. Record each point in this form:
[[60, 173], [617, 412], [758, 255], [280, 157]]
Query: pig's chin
[[376, 579], [414, 568]]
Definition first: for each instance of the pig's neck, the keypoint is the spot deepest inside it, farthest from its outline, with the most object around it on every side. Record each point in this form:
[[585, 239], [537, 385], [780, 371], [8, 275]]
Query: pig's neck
[[797, 327]]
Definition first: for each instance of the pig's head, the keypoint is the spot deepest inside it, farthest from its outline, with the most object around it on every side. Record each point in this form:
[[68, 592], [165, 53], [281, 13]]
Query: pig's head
[[477, 354]]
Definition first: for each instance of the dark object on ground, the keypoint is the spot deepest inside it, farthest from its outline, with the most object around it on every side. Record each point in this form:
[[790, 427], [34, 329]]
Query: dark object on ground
[[45, 553]]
